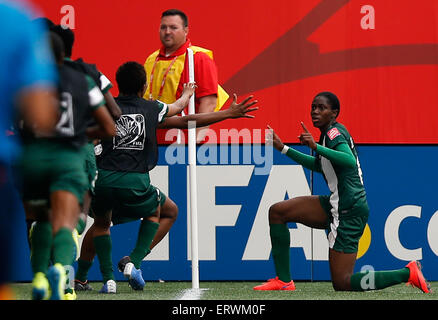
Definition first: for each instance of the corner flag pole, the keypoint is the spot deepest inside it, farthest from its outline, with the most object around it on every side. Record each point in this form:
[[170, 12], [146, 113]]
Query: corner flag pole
[[193, 180]]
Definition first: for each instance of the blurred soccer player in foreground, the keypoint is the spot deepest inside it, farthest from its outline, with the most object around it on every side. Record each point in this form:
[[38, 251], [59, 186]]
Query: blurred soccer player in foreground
[[27, 82]]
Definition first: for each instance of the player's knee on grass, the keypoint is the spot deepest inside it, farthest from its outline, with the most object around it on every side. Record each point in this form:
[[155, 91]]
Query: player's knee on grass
[[341, 283]]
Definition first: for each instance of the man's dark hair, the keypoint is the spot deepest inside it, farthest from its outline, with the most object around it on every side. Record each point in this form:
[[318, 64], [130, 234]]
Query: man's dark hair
[[130, 78], [333, 100], [57, 46], [68, 37], [176, 12]]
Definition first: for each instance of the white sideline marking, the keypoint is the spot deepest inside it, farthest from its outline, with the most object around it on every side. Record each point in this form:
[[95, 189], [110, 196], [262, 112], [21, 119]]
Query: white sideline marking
[[191, 294]]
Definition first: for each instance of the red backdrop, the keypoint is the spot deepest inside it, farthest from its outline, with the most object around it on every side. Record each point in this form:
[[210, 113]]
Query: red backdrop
[[286, 51]]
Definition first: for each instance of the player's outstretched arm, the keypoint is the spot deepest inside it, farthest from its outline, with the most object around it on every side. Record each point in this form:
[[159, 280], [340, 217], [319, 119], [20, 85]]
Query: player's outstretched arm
[[180, 104], [234, 111]]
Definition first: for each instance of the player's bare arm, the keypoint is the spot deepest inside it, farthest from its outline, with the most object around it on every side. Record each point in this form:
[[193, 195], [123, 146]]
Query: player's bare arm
[[183, 101], [206, 104], [106, 127], [112, 105], [235, 110]]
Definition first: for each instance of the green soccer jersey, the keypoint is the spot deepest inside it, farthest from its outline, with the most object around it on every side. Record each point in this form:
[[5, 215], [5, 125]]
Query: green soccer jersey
[[344, 181]]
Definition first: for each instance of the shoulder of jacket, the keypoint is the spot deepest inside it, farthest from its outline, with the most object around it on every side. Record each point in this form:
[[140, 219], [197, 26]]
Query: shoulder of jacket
[[153, 55], [197, 49]]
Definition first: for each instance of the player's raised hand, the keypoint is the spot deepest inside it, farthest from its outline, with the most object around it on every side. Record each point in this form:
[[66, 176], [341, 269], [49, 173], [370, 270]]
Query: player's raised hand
[[189, 89], [272, 137], [240, 110], [306, 138]]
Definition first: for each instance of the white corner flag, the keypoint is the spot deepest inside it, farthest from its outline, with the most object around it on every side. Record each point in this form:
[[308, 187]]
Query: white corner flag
[[193, 180]]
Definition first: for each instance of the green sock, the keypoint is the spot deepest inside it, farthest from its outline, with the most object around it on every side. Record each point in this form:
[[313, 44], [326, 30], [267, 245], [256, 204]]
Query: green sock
[[146, 234], [80, 227], [41, 246], [280, 241], [63, 246], [375, 280], [103, 247], [83, 268]]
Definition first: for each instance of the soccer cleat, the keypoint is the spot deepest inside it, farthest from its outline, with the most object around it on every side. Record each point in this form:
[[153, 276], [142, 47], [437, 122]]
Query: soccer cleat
[[122, 263], [135, 278], [56, 277], [6, 292], [109, 287], [70, 294], [276, 284], [416, 278], [40, 287], [82, 286]]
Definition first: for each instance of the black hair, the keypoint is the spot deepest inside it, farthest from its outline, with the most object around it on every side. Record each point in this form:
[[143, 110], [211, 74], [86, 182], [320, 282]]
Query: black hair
[[57, 46], [176, 12], [131, 78], [68, 37], [333, 100]]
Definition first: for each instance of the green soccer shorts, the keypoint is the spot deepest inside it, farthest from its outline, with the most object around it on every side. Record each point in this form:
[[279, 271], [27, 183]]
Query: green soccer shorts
[[344, 230], [126, 204], [46, 166]]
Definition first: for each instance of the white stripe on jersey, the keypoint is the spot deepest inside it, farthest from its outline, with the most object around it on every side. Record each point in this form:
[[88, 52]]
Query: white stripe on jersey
[[104, 82], [163, 111], [332, 181], [95, 96]]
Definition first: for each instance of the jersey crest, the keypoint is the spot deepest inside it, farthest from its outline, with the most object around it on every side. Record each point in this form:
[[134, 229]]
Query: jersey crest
[[131, 132], [333, 133]]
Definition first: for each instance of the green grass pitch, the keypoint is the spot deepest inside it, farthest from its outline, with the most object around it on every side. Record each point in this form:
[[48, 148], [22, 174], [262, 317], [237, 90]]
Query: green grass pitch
[[239, 290]]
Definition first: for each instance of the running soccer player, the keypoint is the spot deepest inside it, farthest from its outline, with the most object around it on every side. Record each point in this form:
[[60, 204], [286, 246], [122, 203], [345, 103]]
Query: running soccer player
[[123, 189], [104, 84], [52, 175], [344, 213]]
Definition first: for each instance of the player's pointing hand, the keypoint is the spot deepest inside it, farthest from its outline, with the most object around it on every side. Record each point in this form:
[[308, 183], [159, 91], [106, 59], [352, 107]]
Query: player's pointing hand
[[306, 138], [272, 137]]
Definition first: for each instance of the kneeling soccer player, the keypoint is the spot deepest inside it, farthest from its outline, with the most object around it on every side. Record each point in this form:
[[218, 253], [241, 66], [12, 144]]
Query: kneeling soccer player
[[344, 213]]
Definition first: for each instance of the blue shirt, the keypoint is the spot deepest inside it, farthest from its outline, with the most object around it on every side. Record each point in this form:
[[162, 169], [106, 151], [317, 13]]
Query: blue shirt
[[25, 62]]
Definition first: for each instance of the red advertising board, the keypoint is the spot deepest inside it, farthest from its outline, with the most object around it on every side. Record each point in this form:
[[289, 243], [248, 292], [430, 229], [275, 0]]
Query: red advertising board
[[379, 57]]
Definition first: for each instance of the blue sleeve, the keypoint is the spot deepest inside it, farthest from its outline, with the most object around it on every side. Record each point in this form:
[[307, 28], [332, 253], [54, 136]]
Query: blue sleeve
[[34, 61]]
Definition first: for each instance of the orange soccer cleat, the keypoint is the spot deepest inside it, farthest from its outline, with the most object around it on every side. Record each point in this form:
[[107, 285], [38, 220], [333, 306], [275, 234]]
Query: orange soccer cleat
[[276, 284], [6, 292], [416, 278]]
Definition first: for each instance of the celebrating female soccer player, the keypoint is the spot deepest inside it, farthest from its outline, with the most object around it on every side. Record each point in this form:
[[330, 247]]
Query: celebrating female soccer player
[[344, 213]]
